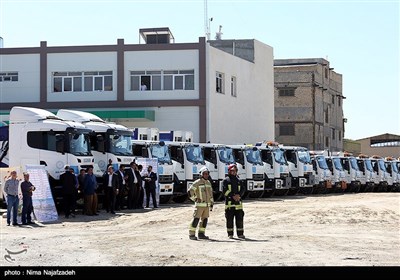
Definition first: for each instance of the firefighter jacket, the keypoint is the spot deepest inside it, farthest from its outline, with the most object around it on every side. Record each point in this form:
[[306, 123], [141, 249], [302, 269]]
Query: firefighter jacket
[[231, 187], [201, 193]]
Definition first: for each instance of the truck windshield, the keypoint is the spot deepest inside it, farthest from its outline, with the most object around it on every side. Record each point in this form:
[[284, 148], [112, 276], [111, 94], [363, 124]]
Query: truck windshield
[[194, 154], [226, 155], [304, 156], [337, 164], [353, 163], [368, 165], [253, 156], [120, 144], [279, 156], [381, 164], [322, 162], [394, 167], [161, 153], [79, 144]]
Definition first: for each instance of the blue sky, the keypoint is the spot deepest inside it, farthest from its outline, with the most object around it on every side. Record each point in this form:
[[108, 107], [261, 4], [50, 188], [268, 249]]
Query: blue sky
[[359, 38]]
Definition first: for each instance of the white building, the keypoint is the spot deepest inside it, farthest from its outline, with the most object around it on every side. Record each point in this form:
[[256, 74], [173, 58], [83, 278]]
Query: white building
[[222, 90]]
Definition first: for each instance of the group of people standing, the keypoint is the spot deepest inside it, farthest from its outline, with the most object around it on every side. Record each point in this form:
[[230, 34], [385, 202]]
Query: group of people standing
[[202, 194], [11, 189]]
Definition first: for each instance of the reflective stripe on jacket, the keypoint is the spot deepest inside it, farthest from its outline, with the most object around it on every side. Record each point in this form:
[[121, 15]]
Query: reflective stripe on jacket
[[201, 189]]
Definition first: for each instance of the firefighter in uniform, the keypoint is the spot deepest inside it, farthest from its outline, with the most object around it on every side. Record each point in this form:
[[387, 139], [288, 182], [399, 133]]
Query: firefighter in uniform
[[202, 194], [233, 193]]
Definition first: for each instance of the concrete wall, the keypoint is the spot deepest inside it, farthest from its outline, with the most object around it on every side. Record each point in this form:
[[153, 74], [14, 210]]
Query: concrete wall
[[248, 117], [27, 89]]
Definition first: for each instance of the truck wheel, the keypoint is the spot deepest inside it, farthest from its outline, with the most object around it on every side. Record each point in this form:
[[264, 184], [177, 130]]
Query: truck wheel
[[180, 198]]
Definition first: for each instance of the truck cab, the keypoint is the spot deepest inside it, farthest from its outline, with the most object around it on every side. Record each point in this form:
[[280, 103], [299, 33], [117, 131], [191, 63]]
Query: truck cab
[[187, 160], [38, 137], [367, 173], [250, 169], [217, 158], [322, 174], [160, 151], [300, 169], [276, 169]]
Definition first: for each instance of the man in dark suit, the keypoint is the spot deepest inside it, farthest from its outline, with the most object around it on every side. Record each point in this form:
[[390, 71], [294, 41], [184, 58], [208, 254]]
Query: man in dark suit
[[134, 182], [111, 184], [150, 179], [119, 203], [69, 183]]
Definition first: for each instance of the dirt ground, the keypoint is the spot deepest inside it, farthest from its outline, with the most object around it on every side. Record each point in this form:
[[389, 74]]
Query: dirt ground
[[324, 230]]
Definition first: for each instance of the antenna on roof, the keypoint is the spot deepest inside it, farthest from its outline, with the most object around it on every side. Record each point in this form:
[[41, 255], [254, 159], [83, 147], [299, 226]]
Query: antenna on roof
[[207, 21]]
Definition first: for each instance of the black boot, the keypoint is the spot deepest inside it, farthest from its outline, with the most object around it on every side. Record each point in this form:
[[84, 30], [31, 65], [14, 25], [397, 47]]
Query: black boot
[[203, 236]]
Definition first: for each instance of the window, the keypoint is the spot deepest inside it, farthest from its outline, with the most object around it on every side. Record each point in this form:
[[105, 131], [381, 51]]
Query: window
[[219, 83], [286, 91], [326, 73], [8, 76], [340, 135], [82, 81], [339, 101], [333, 99], [163, 79], [326, 141], [327, 115], [286, 129], [333, 134], [233, 86]]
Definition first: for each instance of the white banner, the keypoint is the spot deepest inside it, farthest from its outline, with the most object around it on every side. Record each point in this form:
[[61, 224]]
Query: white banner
[[44, 209]]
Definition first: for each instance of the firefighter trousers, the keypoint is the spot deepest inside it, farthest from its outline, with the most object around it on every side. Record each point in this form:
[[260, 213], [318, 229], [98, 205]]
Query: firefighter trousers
[[232, 215], [200, 214]]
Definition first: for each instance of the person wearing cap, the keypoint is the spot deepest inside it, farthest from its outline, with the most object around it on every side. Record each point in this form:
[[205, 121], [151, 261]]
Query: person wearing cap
[[233, 193], [202, 194]]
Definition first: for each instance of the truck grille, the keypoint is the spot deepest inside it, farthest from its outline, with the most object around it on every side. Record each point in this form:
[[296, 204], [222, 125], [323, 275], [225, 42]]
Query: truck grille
[[258, 177], [164, 178]]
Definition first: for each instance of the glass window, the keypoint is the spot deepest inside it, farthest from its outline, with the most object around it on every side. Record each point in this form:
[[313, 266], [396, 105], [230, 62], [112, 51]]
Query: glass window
[[108, 83], [178, 82], [233, 86], [77, 83], [67, 84], [156, 82], [286, 91], [189, 82], [286, 129], [88, 83], [57, 85], [135, 84], [219, 82], [98, 83], [168, 85]]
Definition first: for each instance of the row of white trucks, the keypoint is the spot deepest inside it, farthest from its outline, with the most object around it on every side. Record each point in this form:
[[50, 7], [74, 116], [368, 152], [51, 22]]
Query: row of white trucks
[[80, 139]]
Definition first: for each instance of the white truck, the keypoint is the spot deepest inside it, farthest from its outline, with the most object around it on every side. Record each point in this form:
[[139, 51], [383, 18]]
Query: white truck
[[276, 169], [368, 176], [250, 169], [322, 174], [382, 176], [38, 137], [187, 160], [165, 174], [394, 178], [338, 174], [300, 169], [110, 142], [353, 173], [217, 159]]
